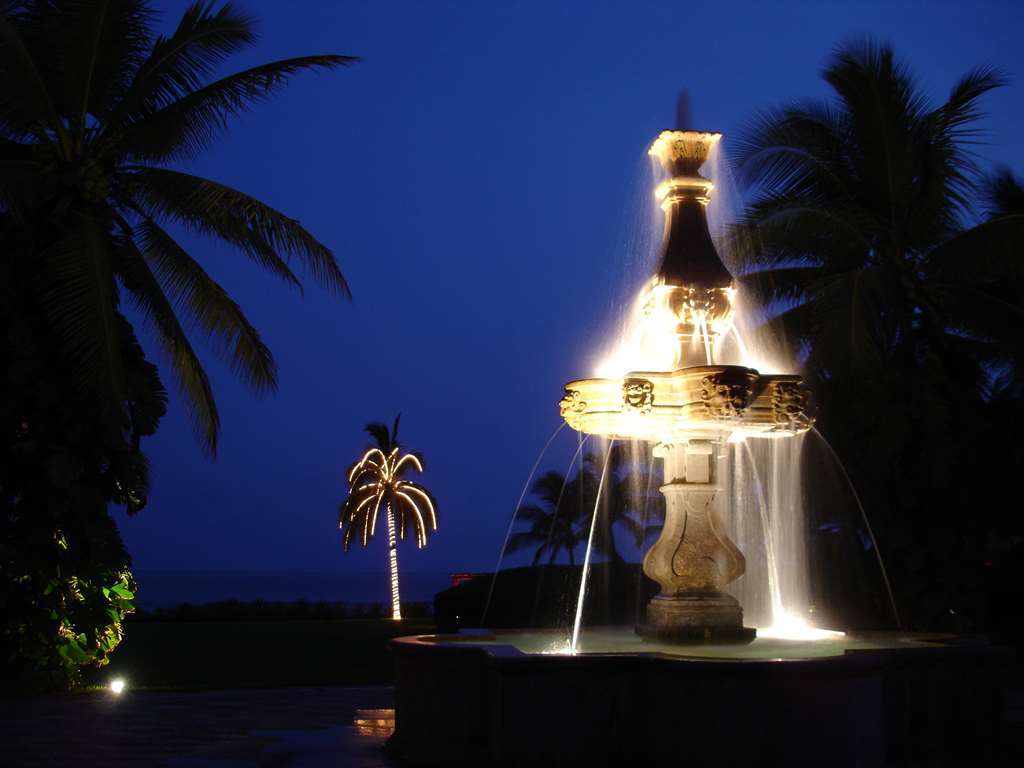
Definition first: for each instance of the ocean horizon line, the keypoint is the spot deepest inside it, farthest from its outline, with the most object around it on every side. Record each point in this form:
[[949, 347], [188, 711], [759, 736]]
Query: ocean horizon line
[[167, 588]]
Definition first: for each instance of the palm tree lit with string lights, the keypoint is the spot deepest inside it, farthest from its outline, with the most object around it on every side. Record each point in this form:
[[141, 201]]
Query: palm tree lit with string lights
[[376, 484]]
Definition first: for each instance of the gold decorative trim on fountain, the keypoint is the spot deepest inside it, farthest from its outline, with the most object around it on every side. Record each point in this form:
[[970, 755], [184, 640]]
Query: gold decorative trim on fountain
[[665, 406], [684, 150]]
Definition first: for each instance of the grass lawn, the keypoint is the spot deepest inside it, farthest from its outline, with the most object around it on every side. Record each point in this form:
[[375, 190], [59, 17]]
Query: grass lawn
[[232, 654]]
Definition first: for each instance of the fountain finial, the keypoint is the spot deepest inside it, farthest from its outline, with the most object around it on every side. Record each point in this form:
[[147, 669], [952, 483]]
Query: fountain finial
[[682, 153], [683, 111], [696, 285]]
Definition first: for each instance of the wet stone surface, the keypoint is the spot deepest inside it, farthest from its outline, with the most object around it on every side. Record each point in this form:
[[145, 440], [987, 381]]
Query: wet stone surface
[[295, 727]]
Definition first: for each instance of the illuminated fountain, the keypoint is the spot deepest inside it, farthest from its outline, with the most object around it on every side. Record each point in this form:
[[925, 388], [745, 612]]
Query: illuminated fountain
[[690, 408], [690, 681]]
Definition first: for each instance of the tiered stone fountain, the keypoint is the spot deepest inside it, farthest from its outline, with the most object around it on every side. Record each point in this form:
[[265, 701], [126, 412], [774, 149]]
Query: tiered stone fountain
[[697, 685], [688, 413]]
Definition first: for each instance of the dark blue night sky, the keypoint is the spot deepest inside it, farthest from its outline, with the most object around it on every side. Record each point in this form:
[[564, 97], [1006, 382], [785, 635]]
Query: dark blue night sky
[[475, 173]]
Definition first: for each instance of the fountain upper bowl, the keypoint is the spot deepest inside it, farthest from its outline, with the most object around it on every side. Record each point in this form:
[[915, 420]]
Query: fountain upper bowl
[[668, 406]]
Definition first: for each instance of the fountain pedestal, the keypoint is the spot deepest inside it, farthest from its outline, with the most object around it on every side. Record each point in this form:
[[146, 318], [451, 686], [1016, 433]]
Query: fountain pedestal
[[693, 559], [689, 413]]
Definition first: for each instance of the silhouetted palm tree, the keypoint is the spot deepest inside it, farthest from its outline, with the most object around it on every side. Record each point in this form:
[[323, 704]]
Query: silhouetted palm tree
[[94, 107], [864, 235], [376, 482], [1003, 279], [552, 523], [629, 499], [858, 228], [1004, 195]]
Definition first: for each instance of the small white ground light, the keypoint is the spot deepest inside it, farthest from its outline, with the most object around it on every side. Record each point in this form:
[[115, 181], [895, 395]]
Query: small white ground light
[[117, 685]]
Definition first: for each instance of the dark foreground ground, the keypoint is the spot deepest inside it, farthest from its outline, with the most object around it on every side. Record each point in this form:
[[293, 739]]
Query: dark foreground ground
[[245, 694], [242, 654], [317, 727], [300, 727]]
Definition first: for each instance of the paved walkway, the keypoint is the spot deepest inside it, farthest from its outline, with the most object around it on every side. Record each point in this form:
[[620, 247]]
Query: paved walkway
[[255, 728], [293, 727]]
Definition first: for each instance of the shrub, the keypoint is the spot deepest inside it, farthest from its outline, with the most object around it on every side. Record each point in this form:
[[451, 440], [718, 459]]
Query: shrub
[[65, 595]]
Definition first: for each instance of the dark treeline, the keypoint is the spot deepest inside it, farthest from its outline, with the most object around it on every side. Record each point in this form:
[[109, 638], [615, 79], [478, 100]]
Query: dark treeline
[[897, 261], [267, 610]]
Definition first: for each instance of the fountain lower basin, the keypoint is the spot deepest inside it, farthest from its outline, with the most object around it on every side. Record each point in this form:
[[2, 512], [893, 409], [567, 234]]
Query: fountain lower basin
[[519, 698]]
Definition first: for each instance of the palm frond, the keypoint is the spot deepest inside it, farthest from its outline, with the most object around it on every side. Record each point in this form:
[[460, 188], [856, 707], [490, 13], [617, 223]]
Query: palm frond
[[884, 107], [990, 253], [785, 285], [186, 368], [1003, 194], [961, 112], [92, 48], [423, 496], [531, 513], [524, 540], [792, 149], [195, 293], [380, 434], [26, 105], [147, 397], [409, 513], [548, 487], [785, 231], [243, 221], [178, 65], [874, 88], [188, 125], [848, 308], [408, 459], [77, 292]]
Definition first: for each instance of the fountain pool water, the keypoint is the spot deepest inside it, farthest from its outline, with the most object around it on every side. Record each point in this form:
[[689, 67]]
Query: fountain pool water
[[618, 640], [732, 660]]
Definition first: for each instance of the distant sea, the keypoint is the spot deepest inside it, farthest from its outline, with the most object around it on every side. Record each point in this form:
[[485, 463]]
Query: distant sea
[[166, 589]]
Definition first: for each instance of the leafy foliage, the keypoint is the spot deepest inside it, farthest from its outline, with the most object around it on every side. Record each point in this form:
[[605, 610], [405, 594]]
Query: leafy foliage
[[862, 236], [92, 104], [65, 595]]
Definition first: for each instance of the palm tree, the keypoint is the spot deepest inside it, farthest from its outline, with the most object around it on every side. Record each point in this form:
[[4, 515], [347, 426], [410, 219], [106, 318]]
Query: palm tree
[[93, 108], [858, 226], [376, 481], [864, 238], [1004, 198], [561, 522], [631, 499], [553, 524]]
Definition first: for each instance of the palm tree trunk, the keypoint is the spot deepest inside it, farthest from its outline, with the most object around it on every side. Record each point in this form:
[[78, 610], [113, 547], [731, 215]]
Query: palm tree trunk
[[396, 606]]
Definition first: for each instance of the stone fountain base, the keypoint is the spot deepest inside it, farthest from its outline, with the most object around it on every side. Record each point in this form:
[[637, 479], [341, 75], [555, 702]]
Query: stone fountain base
[[509, 699], [696, 618]]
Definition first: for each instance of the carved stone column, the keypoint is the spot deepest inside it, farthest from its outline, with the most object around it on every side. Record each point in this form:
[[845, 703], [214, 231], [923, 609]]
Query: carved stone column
[[693, 559]]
